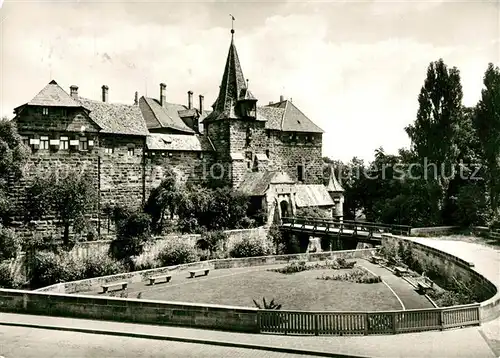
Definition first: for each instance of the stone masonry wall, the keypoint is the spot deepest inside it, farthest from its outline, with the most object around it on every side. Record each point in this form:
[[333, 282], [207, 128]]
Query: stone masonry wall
[[447, 267], [287, 154], [192, 167], [122, 172], [93, 248], [130, 310]]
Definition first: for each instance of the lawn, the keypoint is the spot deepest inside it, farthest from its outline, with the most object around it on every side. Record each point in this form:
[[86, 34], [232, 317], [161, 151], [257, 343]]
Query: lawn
[[298, 291]]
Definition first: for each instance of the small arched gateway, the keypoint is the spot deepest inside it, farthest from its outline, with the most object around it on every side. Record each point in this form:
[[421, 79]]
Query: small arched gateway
[[285, 212]]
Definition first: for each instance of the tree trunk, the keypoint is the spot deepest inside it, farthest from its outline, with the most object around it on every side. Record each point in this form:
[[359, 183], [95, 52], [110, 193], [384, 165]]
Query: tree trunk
[[66, 234]]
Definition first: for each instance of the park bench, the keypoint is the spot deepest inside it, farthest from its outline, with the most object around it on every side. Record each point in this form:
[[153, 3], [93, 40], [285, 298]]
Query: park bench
[[424, 286], [106, 287], [194, 272], [166, 277], [400, 271]]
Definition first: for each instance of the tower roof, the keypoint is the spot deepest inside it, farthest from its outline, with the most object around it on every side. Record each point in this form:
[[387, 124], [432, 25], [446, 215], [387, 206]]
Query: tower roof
[[333, 184], [233, 85]]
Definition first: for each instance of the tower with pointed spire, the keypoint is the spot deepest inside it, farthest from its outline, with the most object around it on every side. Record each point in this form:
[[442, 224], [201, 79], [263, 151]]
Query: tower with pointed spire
[[234, 126]]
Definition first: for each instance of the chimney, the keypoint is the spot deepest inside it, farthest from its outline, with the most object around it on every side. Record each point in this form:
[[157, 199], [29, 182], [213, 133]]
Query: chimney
[[201, 103], [282, 98], [271, 102], [74, 92], [190, 99], [163, 89], [136, 98], [105, 93]]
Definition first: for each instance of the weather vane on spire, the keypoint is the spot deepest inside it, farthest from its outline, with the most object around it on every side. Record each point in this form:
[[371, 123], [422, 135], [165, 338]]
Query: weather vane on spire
[[232, 23]]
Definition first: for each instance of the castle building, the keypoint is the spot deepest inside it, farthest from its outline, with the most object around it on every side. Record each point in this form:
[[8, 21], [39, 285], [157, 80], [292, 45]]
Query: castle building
[[271, 153]]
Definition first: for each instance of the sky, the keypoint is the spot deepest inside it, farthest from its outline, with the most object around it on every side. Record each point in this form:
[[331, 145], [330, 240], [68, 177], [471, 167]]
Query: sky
[[354, 68]]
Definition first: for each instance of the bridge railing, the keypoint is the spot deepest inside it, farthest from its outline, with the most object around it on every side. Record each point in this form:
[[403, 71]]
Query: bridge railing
[[354, 225], [365, 323]]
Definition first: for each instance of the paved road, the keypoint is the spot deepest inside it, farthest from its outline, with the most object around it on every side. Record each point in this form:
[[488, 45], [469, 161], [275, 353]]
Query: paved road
[[21, 342], [486, 259], [406, 292], [460, 343]]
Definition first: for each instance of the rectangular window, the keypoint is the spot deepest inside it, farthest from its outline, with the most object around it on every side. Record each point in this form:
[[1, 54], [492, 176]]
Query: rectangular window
[[300, 172], [44, 142], [26, 141], [131, 152], [64, 143], [109, 150], [64, 112], [84, 144], [45, 111]]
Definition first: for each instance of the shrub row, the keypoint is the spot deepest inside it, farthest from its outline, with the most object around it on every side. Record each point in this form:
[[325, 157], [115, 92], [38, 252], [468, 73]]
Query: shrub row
[[357, 275], [49, 268], [294, 267]]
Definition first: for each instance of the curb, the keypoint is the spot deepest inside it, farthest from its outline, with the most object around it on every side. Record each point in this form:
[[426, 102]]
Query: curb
[[183, 340]]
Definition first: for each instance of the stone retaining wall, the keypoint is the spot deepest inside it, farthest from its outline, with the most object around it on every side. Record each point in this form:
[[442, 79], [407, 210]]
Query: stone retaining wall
[[130, 310], [451, 267], [93, 248]]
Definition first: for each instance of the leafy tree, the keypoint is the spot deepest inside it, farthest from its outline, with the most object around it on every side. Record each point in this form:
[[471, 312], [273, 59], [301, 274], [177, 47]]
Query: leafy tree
[[487, 124], [133, 232], [164, 199], [435, 133], [69, 199], [13, 155]]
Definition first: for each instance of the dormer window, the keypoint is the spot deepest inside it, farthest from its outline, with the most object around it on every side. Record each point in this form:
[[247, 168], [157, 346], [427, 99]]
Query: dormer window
[[45, 111]]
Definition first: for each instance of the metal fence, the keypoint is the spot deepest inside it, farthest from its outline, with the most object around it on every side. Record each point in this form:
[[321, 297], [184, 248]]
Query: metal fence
[[365, 323]]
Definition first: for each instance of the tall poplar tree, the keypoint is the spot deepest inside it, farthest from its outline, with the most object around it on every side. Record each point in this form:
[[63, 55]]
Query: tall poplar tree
[[434, 134], [487, 124]]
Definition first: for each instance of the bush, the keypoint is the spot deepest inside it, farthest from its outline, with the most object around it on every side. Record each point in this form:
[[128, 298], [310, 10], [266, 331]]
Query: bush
[[7, 278], [250, 248], [50, 268], [177, 252], [215, 241], [10, 244], [357, 275], [337, 264], [102, 265], [132, 234], [145, 261]]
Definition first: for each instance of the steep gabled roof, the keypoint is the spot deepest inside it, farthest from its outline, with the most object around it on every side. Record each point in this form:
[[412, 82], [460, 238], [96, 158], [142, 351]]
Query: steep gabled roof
[[167, 116], [116, 118], [53, 95], [292, 119], [312, 195], [257, 183]]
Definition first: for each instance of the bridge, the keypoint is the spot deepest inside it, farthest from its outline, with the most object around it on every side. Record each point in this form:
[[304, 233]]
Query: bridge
[[360, 230]]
